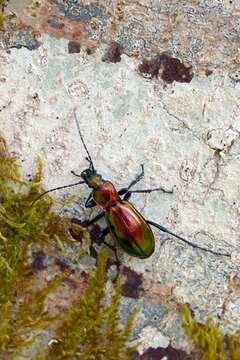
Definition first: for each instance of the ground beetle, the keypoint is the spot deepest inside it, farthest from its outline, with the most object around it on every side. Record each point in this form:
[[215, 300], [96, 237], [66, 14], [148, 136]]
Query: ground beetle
[[126, 225]]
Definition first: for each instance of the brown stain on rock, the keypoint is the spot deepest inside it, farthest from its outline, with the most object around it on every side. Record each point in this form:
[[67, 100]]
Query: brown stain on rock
[[132, 286], [169, 69], [38, 261], [61, 264], [113, 54], [157, 292], [50, 21], [208, 72], [67, 294], [77, 232], [74, 47], [160, 353]]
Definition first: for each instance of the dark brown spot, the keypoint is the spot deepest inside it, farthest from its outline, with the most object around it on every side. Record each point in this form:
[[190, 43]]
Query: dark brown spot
[[84, 275], [77, 221], [168, 68], [76, 236], [61, 264], [113, 53], [95, 234], [38, 261], [72, 283], [208, 72], [132, 286], [73, 47], [90, 51], [149, 67], [93, 252], [159, 353], [55, 23]]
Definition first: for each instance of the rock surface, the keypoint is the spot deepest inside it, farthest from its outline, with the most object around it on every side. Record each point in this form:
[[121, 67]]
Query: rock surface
[[186, 134]]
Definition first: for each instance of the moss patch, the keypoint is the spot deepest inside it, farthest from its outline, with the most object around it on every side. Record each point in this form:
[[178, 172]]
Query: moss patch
[[90, 329], [210, 339], [2, 17], [92, 321]]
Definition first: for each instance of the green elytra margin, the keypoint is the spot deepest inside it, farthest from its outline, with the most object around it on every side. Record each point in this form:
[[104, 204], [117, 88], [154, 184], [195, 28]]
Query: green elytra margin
[[21, 308], [210, 339]]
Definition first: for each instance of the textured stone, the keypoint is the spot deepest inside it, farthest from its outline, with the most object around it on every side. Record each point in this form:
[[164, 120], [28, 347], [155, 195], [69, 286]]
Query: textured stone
[[186, 134]]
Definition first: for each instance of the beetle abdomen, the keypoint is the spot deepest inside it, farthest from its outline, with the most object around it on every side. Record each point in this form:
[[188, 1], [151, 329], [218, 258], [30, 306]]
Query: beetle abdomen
[[130, 230]]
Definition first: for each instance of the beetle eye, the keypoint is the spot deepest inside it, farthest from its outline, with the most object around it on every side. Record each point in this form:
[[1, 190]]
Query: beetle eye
[[86, 174]]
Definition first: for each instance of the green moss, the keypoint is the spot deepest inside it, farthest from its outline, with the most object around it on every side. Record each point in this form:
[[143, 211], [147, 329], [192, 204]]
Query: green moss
[[22, 225], [90, 329], [210, 339], [2, 17], [91, 325]]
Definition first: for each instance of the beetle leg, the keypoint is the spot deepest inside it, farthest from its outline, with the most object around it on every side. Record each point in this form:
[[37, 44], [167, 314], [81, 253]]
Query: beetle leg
[[73, 172], [90, 202], [139, 177], [128, 194], [102, 236], [95, 219], [160, 227], [122, 191]]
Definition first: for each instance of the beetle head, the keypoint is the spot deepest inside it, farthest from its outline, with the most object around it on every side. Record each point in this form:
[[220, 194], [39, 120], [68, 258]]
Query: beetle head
[[87, 174], [91, 177]]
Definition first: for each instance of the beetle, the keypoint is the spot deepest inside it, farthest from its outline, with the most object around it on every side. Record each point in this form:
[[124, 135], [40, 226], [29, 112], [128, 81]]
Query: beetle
[[128, 228]]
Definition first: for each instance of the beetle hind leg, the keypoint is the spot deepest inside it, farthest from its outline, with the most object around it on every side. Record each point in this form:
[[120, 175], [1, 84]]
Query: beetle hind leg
[[114, 249], [192, 244], [101, 239]]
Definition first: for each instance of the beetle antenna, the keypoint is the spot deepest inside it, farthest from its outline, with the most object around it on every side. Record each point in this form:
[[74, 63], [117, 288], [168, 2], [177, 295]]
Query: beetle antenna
[[81, 137], [57, 188]]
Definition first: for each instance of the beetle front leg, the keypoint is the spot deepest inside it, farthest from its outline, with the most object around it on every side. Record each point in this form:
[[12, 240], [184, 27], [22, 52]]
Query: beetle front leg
[[137, 179], [132, 183], [90, 202], [73, 172]]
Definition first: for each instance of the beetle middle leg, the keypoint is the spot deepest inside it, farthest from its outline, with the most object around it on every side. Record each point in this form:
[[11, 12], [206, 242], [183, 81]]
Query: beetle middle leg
[[128, 194]]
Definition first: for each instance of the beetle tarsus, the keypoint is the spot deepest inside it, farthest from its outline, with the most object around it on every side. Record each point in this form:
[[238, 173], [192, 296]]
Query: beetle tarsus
[[137, 179]]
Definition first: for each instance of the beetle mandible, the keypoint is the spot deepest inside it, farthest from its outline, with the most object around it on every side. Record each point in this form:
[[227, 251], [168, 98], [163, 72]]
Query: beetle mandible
[[128, 228]]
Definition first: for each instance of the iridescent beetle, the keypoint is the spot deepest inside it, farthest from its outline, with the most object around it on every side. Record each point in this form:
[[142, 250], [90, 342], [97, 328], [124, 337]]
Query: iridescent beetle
[[128, 228]]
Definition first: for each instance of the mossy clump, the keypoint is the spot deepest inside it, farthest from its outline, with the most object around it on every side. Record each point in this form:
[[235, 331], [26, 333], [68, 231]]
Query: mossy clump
[[2, 17], [210, 339], [90, 330], [23, 223]]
